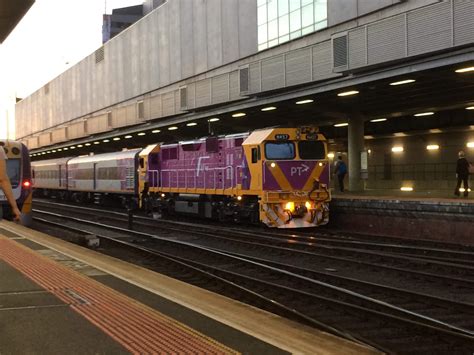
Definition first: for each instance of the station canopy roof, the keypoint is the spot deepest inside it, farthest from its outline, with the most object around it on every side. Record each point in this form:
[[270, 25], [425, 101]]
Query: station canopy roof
[[11, 12]]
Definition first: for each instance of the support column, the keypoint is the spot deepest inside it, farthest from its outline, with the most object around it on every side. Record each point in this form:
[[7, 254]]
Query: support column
[[355, 147]]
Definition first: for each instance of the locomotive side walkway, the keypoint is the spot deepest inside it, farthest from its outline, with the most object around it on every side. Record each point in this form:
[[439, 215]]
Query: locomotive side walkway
[[59, 298], [442, 219]]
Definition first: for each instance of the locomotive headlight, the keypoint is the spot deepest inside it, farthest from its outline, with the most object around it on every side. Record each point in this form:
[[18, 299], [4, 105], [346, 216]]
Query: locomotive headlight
[[290, 206], [272, 165], [308, 205], [163, 195], [239, 198]]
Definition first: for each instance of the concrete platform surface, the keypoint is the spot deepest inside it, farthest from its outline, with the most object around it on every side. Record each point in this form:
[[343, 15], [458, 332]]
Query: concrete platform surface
[[59, 298]]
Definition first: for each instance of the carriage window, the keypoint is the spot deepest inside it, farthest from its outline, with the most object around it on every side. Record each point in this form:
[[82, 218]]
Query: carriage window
[[312, 150], [280, 150], [13, 171]]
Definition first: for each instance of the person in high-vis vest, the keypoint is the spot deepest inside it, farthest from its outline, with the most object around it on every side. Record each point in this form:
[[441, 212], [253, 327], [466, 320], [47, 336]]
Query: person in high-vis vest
[[7, 187]]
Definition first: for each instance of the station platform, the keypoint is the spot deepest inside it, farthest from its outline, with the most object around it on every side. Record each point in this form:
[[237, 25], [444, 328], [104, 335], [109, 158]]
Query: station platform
[[60, 298], [435, 216]]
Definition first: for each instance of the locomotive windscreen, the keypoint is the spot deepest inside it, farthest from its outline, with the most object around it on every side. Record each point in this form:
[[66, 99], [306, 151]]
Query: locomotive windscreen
[[311, 150], [13, 171], [280, 150]]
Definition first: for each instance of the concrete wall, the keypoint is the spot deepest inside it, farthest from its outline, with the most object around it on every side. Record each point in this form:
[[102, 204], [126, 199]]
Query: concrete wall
[[344, 10], [180, 39]]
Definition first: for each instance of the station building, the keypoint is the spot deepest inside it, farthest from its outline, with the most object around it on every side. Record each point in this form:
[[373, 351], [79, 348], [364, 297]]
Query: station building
[[389, 82]]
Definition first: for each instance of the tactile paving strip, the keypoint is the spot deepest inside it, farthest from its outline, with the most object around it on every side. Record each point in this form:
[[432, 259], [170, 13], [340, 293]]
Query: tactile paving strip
[[138, 328]]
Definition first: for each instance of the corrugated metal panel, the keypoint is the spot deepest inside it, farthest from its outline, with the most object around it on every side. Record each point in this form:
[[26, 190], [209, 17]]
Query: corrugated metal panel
[[97, 124], [322, 61], [273, 73], [357, 47], [177, 108], [234, 85], [44, 139], [76, 130], [339, 52], [155, 107], [220, 88], [132, 116], [203, 93], [255, 77], [147, 107], [463, 22], [168, 102], [429, 28], [298, 67], [191, 88], [386, 40], [59, 135]]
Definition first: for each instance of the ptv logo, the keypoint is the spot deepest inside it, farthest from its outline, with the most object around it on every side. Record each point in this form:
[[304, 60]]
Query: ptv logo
[[297, 170]]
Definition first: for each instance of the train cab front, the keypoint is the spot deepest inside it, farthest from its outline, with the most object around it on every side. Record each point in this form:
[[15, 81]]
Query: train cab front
[[294, 177]]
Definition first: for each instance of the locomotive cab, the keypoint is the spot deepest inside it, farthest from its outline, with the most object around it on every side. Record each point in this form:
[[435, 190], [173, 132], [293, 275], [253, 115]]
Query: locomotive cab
[[290, 170]]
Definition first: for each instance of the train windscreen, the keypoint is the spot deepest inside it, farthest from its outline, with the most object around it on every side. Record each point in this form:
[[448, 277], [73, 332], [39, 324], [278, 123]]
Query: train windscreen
[[14, 171], [280, 150], [311, 150]]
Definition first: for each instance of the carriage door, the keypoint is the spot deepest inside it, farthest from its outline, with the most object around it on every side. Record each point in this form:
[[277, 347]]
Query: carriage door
[[95, 177], [60, 175]]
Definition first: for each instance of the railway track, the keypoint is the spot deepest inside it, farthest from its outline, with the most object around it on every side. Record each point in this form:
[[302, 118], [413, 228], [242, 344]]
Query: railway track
[[389, 318]]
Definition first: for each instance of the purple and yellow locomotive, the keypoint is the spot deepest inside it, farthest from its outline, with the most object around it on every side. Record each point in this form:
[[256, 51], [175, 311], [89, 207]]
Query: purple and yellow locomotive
[[278, 176]]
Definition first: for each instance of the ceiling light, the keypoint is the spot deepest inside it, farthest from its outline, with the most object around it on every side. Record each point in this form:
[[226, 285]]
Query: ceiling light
[[72, 147], [470, 108], [465, 70], [156, 131], [48, 152], [397, 149], [66, 148], [470, 144], [54, 150], [424, 114], [341, 124], [239, 114], [190, 124], [348, 93], [406, 188], [378, 120], [96, 142], [79, 145], [128, 136], [407, 81], [106, 141], [141, 134], [116, 138], [330, 155], [432, 147], [172, 128], [302, 102], [88, 144], [60, 149], [215, 119], [369, 151], [269, 108]]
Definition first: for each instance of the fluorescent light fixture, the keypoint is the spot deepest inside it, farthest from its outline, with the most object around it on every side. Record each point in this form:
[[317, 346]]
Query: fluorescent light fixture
[[141, 134], [302, 102], [106, 140], [331, 155], [96, 142], [432, 147], [465, 70], [462, 189], [65, 148], [73, 147], [190, 124], [79, 145], [156, 131], [239, 114], [88, 144], [369, 151], [54, 150], [341, 124], [172, 128], [44, 153], [215, 119], [397, 149], [348, 93], [128, 136], [48, 152], [116, 138], [378, 120], [470, 144], [470, 108], [406, 188], [269, 108], [421, 114], [401, 82]]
